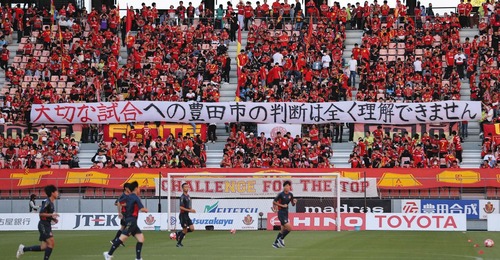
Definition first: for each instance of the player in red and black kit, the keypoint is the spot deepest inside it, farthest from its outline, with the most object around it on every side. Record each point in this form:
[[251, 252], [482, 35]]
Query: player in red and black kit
[[47, 215], [280, 203], [120, 203], [133, 206], [185, 221]]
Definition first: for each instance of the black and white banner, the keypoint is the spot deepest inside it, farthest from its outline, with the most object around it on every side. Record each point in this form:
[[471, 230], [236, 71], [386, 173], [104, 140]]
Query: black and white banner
[[269, 113]]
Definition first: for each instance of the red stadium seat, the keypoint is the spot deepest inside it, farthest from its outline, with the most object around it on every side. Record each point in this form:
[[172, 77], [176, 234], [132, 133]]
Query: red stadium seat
[[491, 192], [434, 193]]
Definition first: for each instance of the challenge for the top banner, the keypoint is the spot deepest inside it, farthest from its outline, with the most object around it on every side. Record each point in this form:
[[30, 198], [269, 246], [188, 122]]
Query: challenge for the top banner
[[269, 113]]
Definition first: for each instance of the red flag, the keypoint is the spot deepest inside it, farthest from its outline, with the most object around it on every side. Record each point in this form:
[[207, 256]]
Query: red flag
[[238, 70], [309, 33], [128, 21]]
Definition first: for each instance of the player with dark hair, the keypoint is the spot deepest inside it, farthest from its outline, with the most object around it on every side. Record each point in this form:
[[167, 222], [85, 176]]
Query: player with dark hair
[[185, 208], [280, 204], [47, 215], [120, 204], [132, 205]]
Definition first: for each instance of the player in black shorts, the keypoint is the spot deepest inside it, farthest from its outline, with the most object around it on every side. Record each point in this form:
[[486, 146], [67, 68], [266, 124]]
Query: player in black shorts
[[132, 205], [280, 204], [47, 215], [120, 204], [185, 207]]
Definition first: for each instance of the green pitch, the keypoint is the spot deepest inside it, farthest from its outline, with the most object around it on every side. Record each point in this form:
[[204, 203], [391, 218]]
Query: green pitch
[[85, 245]]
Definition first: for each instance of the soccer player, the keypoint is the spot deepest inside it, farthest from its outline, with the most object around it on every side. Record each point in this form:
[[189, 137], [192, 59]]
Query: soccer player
[[185, 207], [120, 204], [47, 215], [133, 205], [281, 203]]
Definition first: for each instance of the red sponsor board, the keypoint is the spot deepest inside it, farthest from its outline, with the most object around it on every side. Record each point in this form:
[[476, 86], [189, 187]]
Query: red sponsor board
[[396, 179], [164, 130], [320, 221], [417, 222]]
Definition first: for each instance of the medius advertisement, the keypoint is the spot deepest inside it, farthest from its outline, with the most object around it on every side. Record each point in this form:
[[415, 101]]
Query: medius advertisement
[[327, 205], [319, 221]]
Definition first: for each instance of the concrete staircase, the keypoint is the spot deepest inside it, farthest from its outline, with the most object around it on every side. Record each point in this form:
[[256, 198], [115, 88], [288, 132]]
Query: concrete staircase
[[227, 94], [87, 151]]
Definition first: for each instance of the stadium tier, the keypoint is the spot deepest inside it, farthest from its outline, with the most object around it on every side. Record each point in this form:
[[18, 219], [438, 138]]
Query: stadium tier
[[324, 53]]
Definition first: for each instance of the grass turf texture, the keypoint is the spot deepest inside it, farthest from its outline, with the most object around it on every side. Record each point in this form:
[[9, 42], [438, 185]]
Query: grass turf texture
[[204, 245]]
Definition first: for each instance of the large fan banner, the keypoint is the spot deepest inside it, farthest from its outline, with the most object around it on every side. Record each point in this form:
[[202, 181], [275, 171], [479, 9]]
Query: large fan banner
[[268, 113]]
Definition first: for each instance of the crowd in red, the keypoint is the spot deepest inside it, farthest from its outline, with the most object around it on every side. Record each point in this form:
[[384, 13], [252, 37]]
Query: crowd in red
[[401, 58], [145, 148], [50, 150]]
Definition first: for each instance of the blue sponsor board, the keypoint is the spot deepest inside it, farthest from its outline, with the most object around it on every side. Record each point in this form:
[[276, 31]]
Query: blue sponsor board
[[468, 207]]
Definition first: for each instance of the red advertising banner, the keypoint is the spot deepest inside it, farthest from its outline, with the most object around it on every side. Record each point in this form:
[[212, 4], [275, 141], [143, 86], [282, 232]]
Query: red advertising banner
[[397, 178], [420, 129], [320, 221], [494, 130], [164, 130]]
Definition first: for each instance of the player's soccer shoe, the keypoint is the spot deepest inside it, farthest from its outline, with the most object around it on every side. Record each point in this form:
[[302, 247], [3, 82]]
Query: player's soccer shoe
[[20, 251], [276, 245], [107, 256], [179, 245], [281, 242]]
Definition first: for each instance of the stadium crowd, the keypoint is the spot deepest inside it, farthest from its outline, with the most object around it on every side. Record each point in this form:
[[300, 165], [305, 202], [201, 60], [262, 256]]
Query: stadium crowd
[[404, 56]]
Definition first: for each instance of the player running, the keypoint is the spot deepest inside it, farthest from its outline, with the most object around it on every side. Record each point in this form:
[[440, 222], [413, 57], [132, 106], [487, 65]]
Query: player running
[[120, 204], [281, 202], [132, 205], [185, 207], [47, 215]]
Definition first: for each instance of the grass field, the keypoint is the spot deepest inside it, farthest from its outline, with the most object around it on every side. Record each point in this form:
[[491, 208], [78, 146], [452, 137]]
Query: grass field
[[74, 245]]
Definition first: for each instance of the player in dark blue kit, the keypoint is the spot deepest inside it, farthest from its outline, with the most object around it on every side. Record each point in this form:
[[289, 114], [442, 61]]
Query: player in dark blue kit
[[119, 203], [47, 215], [132, 206], [185, 207], [281, 204]]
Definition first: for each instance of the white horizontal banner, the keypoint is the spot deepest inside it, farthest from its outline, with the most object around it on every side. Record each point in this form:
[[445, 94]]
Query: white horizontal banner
[[269, 113], [416, 222], [271, 130], [261, 187], [238, 221], [81, 221], [17, 221], [488, 207], [229, 206]]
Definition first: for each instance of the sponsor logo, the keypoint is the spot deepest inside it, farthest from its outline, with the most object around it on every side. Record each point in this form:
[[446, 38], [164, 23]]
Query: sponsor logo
[[213, 221], [411, 207], [320, 221], [468, 207], [344, 209], [489, 208], [98, 220], [216, 209], [150, 220], [416, 221], [248, 220]]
